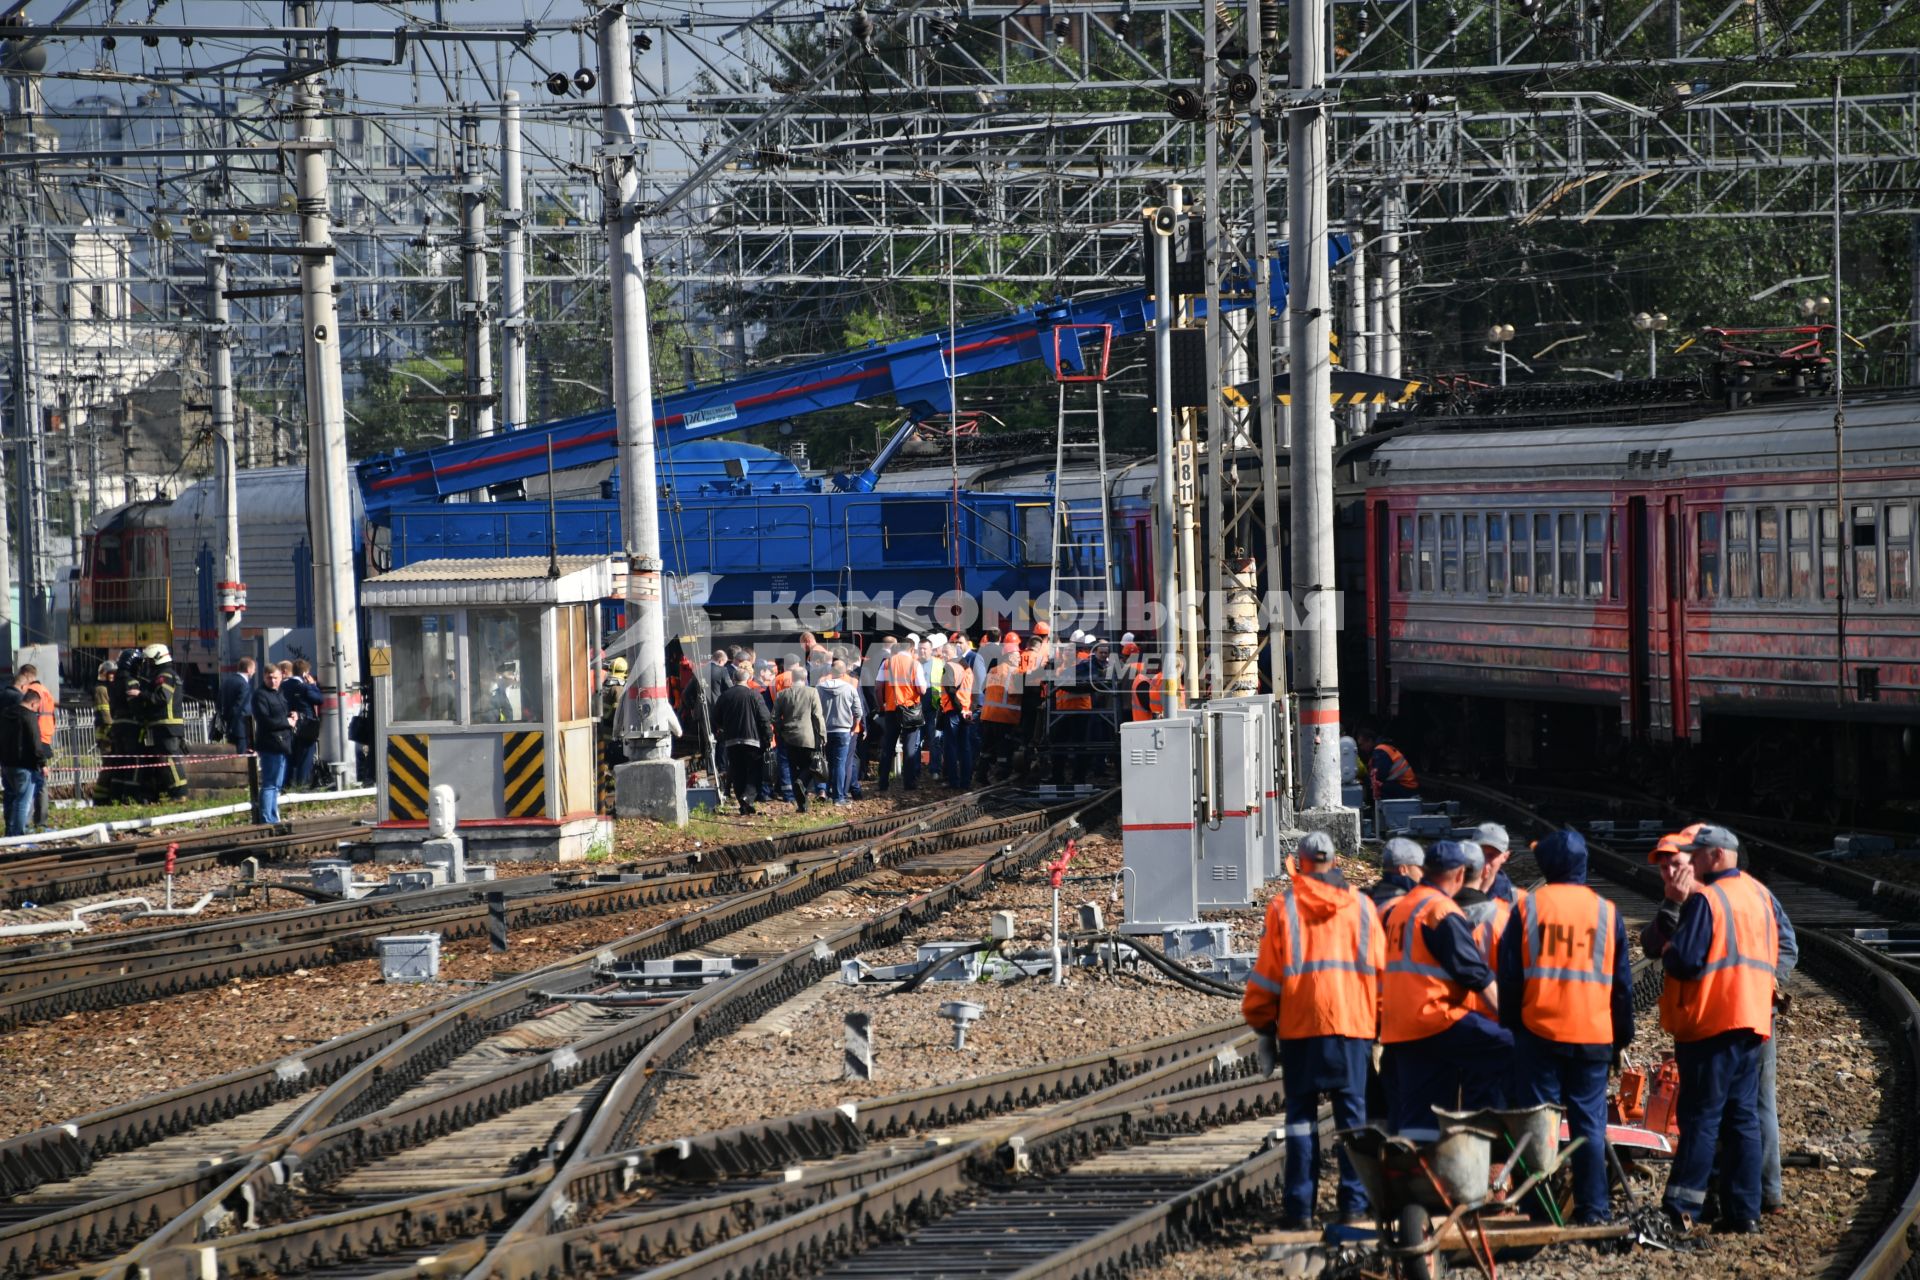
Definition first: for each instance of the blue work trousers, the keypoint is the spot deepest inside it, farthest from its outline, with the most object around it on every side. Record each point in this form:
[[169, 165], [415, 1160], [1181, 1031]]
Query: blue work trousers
[[957, 754], [936, 742], [1579, 1087], [273, 777], [1463, 1068], [1718, 1104], [839, 752], [1313, 1068], [1772, 1193], [20, 785]]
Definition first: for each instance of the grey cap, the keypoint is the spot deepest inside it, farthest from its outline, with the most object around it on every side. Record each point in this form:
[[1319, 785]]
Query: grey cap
[[1711, 837], [1476, 857], [1402, 852], [1316, 846], [1494, 834]]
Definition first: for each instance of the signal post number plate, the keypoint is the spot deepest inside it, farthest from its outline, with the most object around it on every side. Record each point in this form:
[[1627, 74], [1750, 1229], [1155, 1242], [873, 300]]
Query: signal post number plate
[[1183, 472]]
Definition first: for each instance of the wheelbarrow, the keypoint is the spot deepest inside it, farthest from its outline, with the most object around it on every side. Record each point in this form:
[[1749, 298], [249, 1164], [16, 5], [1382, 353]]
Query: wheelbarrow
[[1422, 1192]]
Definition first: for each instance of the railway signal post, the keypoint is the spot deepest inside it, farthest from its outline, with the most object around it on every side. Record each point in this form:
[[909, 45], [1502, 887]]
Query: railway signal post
[[652, 784]]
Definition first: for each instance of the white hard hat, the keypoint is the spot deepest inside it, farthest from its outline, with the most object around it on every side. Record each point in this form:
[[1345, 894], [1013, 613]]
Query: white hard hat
[[913, 637], [157, 653], [936, 639], [1126, 637]]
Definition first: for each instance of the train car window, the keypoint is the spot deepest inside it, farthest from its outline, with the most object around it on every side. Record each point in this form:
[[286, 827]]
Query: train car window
[[504, 668], [1470, 559], [1522, 558], [1403, 550], [1613, 557], [1799, 553], [1739, 557], [1496, 553], [1707, 553], [1766, 537], [1570, 555], [1899, 551], [1829, 553], [1450, 553], [426, 668], [1543, 555], [1866, 552], [1426, 552], [1594, 554]]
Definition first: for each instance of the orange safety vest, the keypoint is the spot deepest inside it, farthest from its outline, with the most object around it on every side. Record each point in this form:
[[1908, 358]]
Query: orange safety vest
[[903, 669], [43, 707], [1567, 960], [1323, 975], [1418, 998], [783, 681], [1398, 770], [1486, 936], [1143, 707], [1735, 991], [1000, 706], [959, 694], [1065, 699]]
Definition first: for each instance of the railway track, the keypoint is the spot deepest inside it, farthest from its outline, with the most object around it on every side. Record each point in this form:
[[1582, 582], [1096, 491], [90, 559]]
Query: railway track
[[62, 873], [514, 1067]]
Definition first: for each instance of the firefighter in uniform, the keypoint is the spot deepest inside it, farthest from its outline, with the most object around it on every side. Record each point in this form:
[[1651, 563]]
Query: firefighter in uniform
[[117, 779], [103, 681], [1566, 992], [1438, 1051], [164, 728], [1721, 963], [1313, 998]]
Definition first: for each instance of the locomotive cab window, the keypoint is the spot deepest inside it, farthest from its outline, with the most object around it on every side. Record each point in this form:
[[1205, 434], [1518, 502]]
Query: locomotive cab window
[[1496, 553], [1707, 556], [1899, 536]]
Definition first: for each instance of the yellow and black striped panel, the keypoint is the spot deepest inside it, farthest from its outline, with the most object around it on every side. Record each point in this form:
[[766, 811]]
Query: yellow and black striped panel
[[407, 777], [524, 765]]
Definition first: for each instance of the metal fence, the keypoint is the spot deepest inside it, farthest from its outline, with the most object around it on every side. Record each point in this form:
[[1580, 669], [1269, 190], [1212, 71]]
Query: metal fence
[[75, 766]]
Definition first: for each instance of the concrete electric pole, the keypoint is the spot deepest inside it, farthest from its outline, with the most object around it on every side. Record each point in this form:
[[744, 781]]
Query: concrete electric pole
[[513, 267], [231, 590], [329, 480], [1309, 314], [652, 784], [474, 311]]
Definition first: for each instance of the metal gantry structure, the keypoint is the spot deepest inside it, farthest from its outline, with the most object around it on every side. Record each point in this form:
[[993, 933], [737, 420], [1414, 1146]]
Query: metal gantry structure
[[782, 160]]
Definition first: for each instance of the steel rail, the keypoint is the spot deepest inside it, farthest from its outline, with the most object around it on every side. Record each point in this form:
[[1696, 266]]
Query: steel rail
[[107, 868], [236, 1189]]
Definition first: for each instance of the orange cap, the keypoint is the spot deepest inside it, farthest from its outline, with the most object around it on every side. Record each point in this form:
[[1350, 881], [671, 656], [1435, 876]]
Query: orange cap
[[1674, 842]]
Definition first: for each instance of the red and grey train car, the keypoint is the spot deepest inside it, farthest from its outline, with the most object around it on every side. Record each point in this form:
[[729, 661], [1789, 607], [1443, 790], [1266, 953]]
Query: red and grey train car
[[1683, 595]]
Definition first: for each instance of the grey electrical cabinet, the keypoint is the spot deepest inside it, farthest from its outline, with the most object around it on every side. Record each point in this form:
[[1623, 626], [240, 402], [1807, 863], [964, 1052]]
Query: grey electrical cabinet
[[1159, 810], [1233, 773]]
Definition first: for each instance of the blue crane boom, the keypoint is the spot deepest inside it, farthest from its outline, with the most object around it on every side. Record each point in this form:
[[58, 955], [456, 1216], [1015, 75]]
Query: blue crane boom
[[916, 372]]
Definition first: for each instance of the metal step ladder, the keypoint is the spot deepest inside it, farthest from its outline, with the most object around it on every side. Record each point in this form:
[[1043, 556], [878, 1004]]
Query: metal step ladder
[[1081, 741]]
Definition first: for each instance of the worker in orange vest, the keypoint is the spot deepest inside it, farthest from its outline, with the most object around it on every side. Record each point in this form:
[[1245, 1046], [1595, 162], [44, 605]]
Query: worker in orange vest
[[1438, 1051], [1313, 998], [1070, 727], [1566, 993], [1000, 710], [1035, 659], [1721, 961], [1390, 772], [1486, 916], [902, 686]]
